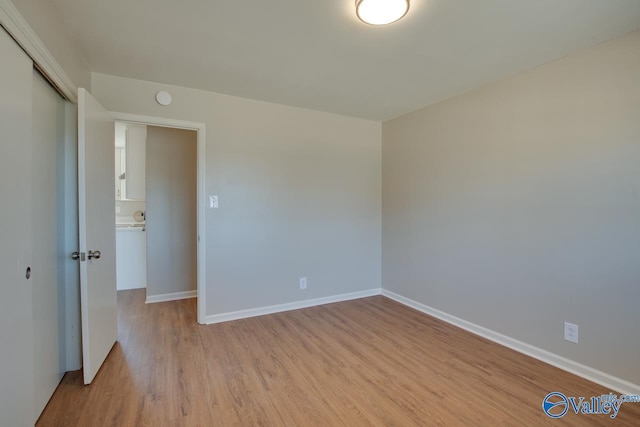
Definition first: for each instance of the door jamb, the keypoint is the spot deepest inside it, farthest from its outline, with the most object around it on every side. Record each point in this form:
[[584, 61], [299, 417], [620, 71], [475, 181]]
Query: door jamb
[[201, 244]]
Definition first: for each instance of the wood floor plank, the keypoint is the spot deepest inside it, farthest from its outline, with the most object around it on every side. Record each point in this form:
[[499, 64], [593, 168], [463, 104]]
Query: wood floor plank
[[368, 362]]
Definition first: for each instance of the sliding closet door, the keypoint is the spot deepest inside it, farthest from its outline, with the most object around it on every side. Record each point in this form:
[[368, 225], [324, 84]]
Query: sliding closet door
[[46, 208], [16, 315]]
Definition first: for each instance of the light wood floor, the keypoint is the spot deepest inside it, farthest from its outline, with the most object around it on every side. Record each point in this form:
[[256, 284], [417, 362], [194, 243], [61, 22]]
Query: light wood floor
[[364, 362]]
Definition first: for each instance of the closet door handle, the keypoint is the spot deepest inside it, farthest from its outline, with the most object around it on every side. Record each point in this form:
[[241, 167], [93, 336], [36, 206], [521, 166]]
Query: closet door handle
[[94, 254]]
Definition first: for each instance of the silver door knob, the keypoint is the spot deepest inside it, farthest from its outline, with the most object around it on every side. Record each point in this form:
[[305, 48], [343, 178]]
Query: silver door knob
[[94, 254], [78, 256]]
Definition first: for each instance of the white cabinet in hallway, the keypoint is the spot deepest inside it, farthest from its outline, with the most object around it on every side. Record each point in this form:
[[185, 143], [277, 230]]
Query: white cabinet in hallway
[[131, 257], [135, 161], [130, 154]]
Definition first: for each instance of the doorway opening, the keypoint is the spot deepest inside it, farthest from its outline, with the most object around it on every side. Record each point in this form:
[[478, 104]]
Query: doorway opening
[[159, 181]]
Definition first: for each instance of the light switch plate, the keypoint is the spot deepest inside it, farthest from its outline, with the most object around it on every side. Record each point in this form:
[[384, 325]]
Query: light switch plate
[[213, 202]]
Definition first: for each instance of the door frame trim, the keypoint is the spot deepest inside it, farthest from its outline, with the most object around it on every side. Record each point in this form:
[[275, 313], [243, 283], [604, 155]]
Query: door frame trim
[[200, 129]]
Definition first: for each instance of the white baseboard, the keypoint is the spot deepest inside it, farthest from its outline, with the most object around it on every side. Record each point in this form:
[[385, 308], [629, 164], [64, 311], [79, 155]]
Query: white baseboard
[[261, 311], [594, 375], [171, 297]]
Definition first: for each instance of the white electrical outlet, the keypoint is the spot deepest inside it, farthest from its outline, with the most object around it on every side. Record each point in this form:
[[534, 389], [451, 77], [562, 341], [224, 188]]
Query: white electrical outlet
[[303, 283], [570, 332]]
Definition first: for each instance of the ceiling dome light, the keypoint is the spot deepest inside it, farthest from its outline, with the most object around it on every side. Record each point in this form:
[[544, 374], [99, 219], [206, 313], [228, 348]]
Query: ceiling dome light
[[381, 12]]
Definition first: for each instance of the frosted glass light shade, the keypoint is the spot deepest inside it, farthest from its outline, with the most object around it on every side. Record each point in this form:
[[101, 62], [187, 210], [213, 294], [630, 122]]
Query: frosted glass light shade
[[381, 12]]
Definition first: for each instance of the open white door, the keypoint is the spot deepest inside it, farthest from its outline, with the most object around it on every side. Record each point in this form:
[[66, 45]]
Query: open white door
[[96, 212]]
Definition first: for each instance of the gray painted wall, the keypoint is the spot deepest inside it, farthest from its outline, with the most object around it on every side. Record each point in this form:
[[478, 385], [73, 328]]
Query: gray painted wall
[[517, 206], [172, 233], [299, 194]]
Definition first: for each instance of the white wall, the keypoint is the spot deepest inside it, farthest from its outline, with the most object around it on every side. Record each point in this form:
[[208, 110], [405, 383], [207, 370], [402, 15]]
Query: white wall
[[299, 194], [43, 17], [517, 206]]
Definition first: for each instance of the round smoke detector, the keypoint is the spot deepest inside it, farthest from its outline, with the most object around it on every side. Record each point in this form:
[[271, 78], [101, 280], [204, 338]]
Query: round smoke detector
[[163, 98]]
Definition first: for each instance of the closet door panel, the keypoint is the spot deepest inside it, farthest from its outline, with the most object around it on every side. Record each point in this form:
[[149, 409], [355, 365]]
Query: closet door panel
[[47, 175], [16, 315]]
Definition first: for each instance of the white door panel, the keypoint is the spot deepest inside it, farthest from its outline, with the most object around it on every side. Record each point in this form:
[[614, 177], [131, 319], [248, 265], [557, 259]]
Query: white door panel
[[96, 202], [46, 204], [16, 321]]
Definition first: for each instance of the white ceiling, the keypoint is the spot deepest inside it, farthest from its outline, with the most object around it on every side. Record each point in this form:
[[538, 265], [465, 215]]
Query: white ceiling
[[316, 54]]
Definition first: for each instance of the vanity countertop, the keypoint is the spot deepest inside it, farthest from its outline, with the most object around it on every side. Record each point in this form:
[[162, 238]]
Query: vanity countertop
[[137, 226]]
